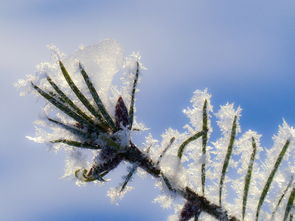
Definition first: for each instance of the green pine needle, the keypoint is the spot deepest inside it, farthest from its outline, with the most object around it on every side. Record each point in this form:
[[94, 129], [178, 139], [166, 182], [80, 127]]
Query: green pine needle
[[131, 109], [270, 178], [167, 182], [227, 157], [290, 204], [79, 94], [187, 141], [128, 177], [204, 144], [67, 100], [97, 99], [165, 150], [64, 108], [248, 177], [111, 143], [282, 197], [83, 145], [69, 128]]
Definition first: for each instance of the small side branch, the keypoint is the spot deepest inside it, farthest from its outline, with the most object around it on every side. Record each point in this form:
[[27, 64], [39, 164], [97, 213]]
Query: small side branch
[[134, 155]]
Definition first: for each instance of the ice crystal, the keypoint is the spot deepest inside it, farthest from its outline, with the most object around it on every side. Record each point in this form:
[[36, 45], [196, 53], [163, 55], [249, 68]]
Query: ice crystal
[[115, 194]]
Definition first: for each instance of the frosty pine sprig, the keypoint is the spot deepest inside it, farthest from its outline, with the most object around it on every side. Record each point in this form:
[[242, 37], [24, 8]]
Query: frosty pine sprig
[[93, 119]]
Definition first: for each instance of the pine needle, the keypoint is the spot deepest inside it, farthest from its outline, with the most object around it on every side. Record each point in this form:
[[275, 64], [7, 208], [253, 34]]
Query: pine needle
[[128, 177], [64, 108], [96, 98], [290, 204], [84, 145], [79, 94], [167, 182], [165, 150], [69, 128], [227, 157], [204, 144], [131, 109], [248, 177], [270, 178], [67, 100], [282, 197], [186, 142]]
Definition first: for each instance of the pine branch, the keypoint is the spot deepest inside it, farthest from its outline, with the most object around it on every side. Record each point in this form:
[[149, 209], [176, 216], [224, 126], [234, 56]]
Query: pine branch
[[134, 155], [107, 137]]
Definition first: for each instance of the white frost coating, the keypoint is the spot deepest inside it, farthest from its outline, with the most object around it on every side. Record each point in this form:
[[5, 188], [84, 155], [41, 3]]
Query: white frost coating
[[23, 84], [225, 117], [115, 194], [149, 142], [174, 171], [101, 62], [129, 70], [164, 200], [195, 112], [56, 53], [76, 159]]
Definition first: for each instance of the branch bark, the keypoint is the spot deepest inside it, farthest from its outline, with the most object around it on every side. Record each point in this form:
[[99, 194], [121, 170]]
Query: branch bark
[[135, 155]]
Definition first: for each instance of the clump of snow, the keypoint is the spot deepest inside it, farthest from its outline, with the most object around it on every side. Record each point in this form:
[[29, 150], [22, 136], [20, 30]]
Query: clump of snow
[[102, 62]]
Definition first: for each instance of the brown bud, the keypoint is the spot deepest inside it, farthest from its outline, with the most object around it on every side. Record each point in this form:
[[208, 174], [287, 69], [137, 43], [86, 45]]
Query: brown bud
[[121, 114]]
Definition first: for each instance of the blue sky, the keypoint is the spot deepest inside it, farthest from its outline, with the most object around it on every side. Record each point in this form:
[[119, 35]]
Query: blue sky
[[242, 51]]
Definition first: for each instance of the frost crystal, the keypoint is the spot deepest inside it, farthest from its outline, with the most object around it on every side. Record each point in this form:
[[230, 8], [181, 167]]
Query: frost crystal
[[164, 201], [115, 194]]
